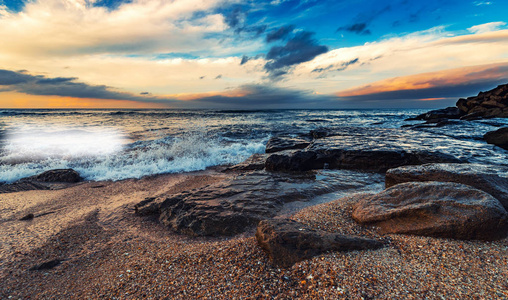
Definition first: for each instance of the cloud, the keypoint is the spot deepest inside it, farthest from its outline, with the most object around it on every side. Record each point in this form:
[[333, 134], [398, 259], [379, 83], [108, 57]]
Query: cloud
[[300, 48], [218, 76], [487, 27], [260, 96], [454, 83], [65, 87], [358, 28], [338, 67], [279, 34]]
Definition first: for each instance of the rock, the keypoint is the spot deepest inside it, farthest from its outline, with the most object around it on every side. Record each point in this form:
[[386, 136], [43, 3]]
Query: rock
[[27, 217], [280, 143], [58, 175], [490, 104], [233, 205], [46, 265], [370, 149], [498, 137], [288, 242], [490, 179], [53, 179], [438, 209], [254, 163], [445, 113]]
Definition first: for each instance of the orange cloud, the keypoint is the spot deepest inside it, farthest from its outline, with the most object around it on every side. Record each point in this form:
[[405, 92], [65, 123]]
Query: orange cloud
[[19, 100], [422, 81]]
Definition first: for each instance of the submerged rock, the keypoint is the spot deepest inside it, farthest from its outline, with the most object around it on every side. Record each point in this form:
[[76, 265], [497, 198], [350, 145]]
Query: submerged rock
[[490, 179], [372, 149], [231, 206], [439, 114], [280, 143], [498, 137], [448, 210], [288, 242]]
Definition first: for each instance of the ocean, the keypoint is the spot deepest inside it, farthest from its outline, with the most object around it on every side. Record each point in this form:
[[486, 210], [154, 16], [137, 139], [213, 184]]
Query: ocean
[[112, 144]]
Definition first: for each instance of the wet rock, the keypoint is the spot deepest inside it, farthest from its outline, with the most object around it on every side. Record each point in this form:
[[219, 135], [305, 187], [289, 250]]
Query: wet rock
[[439, 114], [498, 137], [27, 217], [46, 265], [231, 206], [438, 209], [281, 143], [254, 163], [288, 242], [52, 179], [58, 175], [490, 179], [490, 104], [371, 149]]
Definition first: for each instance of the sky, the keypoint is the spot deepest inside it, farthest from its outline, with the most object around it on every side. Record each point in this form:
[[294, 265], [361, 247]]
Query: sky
[[233, 54]]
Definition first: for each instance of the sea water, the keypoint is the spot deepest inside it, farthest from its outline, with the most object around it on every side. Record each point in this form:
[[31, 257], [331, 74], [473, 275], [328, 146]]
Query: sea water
[[119, 144]]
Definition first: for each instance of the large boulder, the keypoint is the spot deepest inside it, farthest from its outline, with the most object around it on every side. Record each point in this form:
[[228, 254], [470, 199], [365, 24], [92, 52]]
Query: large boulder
[[438, 209], [288, 242], [254, 162], [498, 137], [281, 143], [490, 179], [52, 179], [233, 205], [490, 104]]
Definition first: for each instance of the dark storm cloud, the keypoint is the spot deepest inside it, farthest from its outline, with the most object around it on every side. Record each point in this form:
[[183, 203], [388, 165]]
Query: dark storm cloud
[[279, 34], [218, 76], [245, 58], [339, 67], [64, 86], [236, 19], [300, 48]]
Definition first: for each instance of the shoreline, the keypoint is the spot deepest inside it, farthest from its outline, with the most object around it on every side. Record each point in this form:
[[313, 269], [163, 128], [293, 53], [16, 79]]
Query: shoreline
[[104, 250]]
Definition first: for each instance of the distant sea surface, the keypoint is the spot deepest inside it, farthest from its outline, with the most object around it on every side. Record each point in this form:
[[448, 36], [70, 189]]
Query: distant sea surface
[[120, 144]]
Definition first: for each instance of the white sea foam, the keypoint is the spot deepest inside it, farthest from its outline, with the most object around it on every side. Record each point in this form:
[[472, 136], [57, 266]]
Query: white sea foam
[[192, 152]]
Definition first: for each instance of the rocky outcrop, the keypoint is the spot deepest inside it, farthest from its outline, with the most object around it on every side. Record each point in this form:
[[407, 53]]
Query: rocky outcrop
[[490, 104], [498, 137], [288, 242], [448, 210], [254, 163], [490, 179], [281, 143], [52, 179], [57, 175], [231, 206], [371, 149], [439, 114]]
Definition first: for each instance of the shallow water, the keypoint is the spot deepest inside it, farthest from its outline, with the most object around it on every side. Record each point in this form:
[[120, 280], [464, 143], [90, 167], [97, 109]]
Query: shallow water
[[119, 144]]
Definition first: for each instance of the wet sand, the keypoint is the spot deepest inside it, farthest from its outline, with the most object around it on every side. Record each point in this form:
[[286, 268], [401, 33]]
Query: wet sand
[[107, 252]]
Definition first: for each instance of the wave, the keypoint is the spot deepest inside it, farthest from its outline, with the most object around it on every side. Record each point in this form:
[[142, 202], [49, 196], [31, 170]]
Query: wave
[[192, 152]]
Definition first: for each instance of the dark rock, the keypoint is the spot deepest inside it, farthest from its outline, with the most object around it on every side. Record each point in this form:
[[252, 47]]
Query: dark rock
[[255, 162], [46, 265], [58, 175], [498, 137], [490, 179], [231, 206], [27, 217], [490, 104], [281, 143], [438, 209], [445, 113], [288, 242], [371, 149]]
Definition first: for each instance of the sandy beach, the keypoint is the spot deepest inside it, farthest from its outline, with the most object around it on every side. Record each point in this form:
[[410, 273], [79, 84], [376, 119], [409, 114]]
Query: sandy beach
[[105, 251]]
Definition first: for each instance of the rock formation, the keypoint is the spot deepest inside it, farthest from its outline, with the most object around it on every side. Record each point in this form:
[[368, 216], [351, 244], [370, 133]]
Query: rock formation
[[448, 210], [498, 137]]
